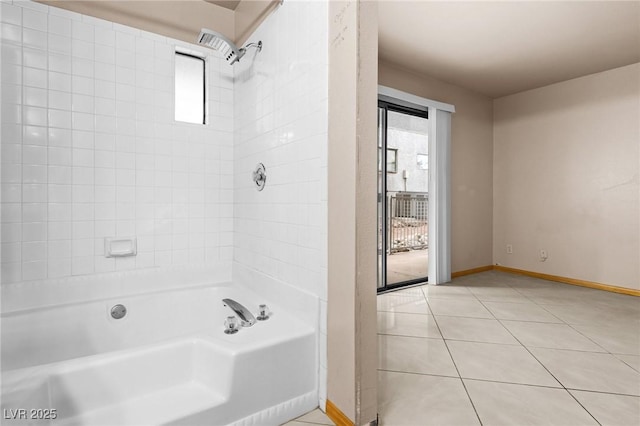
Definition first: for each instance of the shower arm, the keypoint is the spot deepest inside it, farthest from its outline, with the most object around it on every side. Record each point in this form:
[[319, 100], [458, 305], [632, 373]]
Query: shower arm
[[257, 45], [232, 53], [243, 50]]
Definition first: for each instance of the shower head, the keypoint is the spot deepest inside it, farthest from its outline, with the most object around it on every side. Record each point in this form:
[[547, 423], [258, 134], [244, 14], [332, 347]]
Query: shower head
[[219, 42], [216, 41]]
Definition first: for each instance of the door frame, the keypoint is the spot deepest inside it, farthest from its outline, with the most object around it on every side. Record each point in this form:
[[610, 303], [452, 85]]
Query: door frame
[[383, 205], [439, 239]]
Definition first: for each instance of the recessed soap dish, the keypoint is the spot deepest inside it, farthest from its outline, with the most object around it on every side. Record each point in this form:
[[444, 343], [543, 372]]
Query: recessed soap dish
[[120, 247]]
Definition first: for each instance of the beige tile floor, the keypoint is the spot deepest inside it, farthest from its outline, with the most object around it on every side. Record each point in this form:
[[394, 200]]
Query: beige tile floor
[[315, 417], [502, 349]]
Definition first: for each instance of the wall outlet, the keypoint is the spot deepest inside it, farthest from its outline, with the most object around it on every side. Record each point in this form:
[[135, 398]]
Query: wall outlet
[[509, 249], [543, 255]]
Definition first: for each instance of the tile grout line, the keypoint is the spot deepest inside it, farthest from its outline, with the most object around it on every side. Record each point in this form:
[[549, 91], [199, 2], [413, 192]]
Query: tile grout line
[[519, 342], [603, 392], [550, 313], [552, 375], [456, 367], [634, 368], [505, 319], [571, 326], [593, 341], [418, 374], [484, 343], [506, 383], [585, 408], [513, 383], [399, 312], [539, 362], [410, 337], [533, 301]]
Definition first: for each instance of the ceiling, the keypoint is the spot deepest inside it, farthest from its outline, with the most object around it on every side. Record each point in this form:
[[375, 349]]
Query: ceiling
[[227, 4], [500, 48]]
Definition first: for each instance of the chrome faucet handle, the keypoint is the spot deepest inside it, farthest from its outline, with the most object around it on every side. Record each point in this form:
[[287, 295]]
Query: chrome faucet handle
[[232, 325], [258, 176], [263, 313]]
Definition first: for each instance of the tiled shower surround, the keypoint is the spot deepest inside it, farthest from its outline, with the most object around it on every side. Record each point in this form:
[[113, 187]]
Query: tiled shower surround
[[280, 99], [281, 121], [90, 149]]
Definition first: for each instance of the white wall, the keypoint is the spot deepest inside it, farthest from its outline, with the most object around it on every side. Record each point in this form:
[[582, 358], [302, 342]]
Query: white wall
[[471, 162], [566, 178], [352, 213], [90, 149], [280, 100], [409, 144]]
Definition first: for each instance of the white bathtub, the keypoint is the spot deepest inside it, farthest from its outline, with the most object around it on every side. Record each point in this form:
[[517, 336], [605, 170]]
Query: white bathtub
[[167, 362]]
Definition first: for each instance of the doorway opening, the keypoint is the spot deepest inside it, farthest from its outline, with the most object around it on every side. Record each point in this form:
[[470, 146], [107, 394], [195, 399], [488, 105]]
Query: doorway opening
[[403, 196]]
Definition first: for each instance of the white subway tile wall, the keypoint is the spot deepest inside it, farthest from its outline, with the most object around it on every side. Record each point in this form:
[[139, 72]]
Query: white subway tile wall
[[281, 98], [281, 105], [90, 149]]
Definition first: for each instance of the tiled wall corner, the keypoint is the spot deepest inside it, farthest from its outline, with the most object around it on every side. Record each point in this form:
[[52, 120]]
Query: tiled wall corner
[[281, 110]]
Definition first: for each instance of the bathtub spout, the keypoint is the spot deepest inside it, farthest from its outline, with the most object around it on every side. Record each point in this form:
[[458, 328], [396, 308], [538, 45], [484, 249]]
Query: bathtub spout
[[246, 317]]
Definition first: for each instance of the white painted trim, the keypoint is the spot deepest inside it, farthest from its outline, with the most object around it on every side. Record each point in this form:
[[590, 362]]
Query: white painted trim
[[412, 101]]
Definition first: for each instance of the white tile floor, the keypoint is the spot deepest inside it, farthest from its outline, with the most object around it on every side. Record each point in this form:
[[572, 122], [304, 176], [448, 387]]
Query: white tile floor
[[501, 349]]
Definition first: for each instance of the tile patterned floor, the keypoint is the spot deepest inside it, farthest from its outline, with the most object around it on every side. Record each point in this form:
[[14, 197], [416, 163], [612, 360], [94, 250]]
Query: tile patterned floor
[[315, 417], [502, 349]]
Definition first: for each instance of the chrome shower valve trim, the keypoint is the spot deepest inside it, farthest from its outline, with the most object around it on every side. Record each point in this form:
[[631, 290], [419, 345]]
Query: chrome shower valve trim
[[259, 176]]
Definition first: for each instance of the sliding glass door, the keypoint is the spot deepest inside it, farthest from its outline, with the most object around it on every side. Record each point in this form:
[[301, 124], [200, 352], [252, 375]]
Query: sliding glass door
[[403, 198]]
